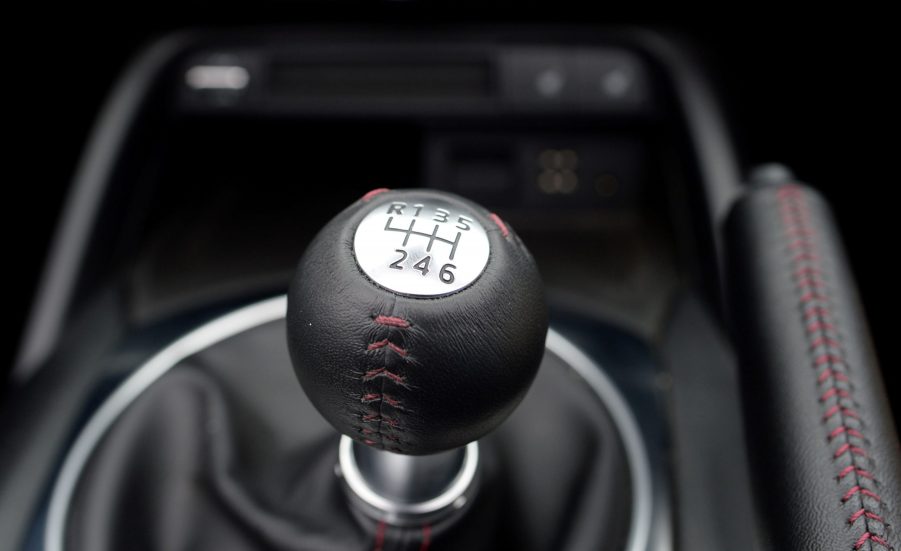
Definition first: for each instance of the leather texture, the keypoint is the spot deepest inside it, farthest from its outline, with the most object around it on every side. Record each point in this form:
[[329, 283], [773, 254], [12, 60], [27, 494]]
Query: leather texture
[[454, 366], [824, 449], [225, 453]]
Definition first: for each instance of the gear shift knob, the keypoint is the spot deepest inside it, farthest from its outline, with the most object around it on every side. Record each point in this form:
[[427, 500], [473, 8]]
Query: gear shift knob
[[416, 321]]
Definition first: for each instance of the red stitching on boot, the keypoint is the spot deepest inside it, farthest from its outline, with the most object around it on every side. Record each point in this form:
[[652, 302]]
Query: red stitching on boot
[[379, 543], [426, 537]]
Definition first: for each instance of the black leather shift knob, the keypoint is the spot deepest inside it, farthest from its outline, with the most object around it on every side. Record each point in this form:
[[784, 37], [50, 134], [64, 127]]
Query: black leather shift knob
[[416, 321]]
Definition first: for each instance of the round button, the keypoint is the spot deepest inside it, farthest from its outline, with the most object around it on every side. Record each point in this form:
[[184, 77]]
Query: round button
[[426, 249]]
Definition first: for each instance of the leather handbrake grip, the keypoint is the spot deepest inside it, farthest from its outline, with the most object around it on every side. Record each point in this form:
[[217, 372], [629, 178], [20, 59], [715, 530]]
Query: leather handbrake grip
[[823, 446]]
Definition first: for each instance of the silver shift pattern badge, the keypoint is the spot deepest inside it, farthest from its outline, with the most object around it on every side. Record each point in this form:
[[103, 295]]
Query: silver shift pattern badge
[[422, 249]]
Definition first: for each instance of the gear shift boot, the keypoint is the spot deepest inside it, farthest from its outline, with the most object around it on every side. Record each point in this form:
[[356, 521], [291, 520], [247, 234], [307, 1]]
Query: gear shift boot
[[223, 452]]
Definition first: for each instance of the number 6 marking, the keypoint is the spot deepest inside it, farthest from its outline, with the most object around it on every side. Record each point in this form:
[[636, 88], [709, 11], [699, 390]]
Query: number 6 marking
[[446, 275]]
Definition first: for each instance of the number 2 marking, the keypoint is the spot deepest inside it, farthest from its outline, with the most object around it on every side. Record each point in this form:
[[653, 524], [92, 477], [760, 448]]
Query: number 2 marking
[[396, 264]]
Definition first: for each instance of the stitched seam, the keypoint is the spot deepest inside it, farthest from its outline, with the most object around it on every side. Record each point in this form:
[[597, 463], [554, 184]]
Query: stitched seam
[[370, 194], [845, 430], [378, 428], [500, 224], [379, 542]]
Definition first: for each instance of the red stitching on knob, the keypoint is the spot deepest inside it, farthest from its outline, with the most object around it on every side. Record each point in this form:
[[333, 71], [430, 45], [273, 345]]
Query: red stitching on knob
[[385, 342], [376, 418], [392, 321], [500, 224], [369, 195], [378, 397], [426, 537], [383, 372]]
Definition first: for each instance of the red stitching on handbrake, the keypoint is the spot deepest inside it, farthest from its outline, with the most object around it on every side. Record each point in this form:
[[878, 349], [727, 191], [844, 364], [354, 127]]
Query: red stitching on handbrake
[[829, 373], [840, 392], [828, 357], [848, 448], [857, 470], [864, 513], [868, 536], [861, 491], [845, 430]]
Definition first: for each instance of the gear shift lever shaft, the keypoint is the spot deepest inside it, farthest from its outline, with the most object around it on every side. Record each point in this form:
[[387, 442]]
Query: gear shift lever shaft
[[416, 323]]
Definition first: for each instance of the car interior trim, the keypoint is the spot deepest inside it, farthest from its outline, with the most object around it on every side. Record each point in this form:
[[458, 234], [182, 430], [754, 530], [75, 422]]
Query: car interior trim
[[273, 309]]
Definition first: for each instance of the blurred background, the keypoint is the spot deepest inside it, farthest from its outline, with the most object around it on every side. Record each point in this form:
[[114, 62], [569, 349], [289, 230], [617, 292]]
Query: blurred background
[[809, 88]]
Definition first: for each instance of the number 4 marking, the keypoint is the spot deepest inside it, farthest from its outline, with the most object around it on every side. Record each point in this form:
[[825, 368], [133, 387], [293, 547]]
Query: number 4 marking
[[423, 265]]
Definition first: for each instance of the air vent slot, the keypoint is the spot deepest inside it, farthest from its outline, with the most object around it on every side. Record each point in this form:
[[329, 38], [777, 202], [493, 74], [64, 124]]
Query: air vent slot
[[381, 80]]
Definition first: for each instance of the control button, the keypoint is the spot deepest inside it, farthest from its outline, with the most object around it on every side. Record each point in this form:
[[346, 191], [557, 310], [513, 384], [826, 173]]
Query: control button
[[536, 77], [218, 79], [549, 82], [609, 78], [427, 248]]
